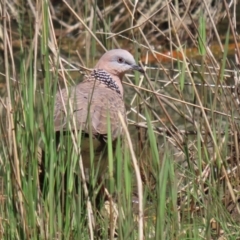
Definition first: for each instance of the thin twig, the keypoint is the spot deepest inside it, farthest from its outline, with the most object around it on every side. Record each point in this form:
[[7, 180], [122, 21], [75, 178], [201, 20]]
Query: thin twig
[[138, 176]]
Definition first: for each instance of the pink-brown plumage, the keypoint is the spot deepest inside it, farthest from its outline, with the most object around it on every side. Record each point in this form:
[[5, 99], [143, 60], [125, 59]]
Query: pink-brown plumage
[[95, 100]]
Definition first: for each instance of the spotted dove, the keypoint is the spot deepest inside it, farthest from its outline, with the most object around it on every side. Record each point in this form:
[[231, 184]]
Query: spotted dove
[[95, 102]]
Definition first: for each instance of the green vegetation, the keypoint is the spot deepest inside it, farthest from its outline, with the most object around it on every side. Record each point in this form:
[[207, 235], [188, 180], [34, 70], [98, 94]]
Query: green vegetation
[[181, 147]]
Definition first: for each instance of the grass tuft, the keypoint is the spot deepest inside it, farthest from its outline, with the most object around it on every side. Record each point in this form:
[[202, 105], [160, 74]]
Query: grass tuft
[[174, 174]]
